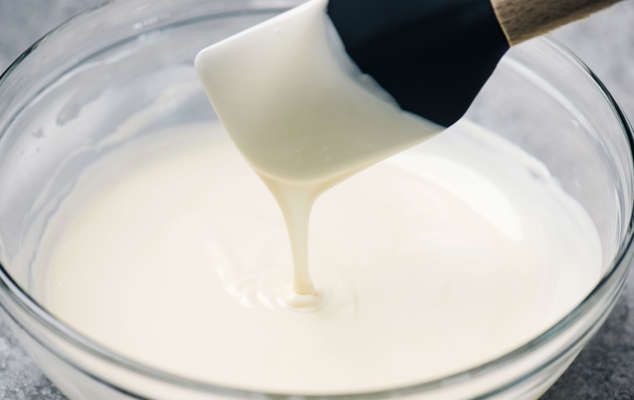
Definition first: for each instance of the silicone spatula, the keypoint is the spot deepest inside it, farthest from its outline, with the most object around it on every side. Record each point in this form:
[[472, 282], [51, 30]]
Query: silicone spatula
[[434, 56]]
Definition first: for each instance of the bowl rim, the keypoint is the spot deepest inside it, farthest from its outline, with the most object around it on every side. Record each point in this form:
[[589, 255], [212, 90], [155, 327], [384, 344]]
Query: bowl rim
[[24, 301]]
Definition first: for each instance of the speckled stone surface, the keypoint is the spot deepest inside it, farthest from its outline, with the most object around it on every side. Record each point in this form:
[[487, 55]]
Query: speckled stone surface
[[603, 371]]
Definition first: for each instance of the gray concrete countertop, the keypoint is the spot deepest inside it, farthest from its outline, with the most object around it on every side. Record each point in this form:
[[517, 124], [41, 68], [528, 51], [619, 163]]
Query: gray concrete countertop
[[603, 371]]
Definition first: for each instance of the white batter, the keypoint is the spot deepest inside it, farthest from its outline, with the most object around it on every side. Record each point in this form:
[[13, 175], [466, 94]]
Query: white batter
[[172, 251]]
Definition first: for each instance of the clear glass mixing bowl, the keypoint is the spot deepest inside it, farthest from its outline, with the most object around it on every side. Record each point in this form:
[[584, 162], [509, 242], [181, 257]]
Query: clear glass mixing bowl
[[63, 99]]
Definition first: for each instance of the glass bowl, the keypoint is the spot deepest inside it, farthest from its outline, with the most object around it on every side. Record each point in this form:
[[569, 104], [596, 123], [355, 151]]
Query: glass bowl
[[62, 100]]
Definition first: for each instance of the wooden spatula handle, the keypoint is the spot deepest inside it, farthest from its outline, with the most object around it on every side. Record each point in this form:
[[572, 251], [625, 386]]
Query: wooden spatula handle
[[525, 19]]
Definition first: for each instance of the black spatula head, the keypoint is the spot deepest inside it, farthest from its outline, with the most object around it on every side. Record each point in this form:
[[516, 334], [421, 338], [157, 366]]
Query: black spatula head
[[432, 56]]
